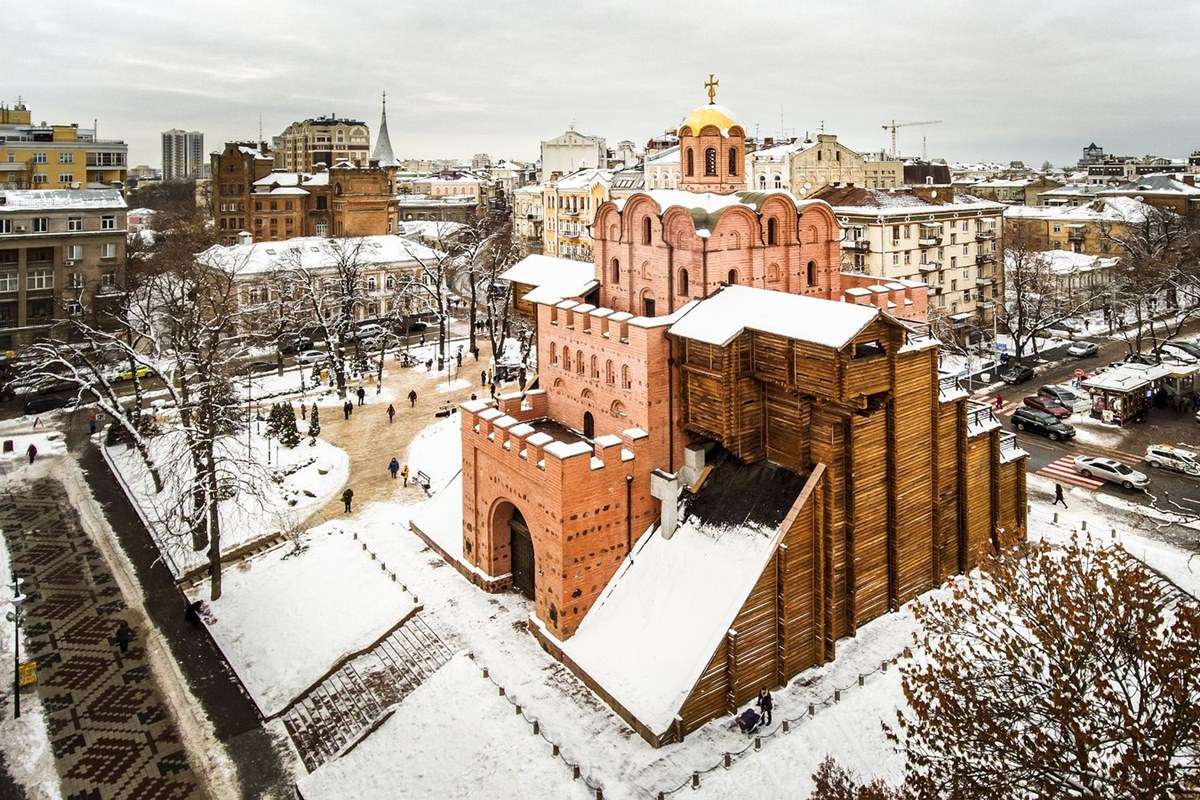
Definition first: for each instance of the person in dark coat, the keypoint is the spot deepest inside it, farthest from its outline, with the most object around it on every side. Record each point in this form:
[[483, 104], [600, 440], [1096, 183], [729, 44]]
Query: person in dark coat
[[192, 612], [32, 451], [483, 377], [391, 413], [412, 398], [362, 396], [124, 636], [765, 703], [348, 498], [1058, 495], [458, 357], [394, 467]]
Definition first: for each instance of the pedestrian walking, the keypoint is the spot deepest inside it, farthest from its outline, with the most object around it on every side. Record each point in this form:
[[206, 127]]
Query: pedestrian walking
[[458, 358], [303, 411], [32, 451], [92, 425], [412, 398], [362, 396], [483, 377], [765, 704], [348, 498], [404, 474], [124, 636], [1058, 495], [394, 467], [192, 612], [347, 409], [999, 401], [391, 413]]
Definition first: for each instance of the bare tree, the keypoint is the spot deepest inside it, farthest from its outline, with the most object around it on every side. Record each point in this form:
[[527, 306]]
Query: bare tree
[[1033, 301], [437, 267], [831, 781]]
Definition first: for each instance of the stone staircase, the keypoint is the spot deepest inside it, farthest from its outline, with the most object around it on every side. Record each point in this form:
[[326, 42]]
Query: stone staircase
[[336, 713]]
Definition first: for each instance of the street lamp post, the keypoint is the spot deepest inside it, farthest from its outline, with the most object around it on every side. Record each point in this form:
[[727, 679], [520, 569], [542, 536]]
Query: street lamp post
[[14, 617]]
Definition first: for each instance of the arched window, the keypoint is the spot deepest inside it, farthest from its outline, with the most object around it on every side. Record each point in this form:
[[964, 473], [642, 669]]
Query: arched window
[[553, 354], [579, 361], [732, 277], [762, 181], [595, 367], [617, 409], [812, 273], [733, 159], [772, 231], [691, 162], [778, 182], [609, 377], [566, 362], [646, 230], [773, 273], [710, 162], [683, 282], [616, 271], [626, 383]]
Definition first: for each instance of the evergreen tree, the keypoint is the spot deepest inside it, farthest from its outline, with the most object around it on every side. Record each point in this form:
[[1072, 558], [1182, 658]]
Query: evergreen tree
[[275, 421], [288, 433], [314, 422]]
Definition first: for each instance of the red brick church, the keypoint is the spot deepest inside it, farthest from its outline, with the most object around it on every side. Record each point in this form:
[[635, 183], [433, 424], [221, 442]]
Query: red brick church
[[736, 454]]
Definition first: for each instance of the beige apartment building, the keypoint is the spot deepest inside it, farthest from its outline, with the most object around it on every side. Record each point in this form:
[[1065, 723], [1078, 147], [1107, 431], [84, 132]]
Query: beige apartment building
[[322, 140], [805, 167], [529, 215], [1087, 228], [929, 234], [570, 205], [62, 253]]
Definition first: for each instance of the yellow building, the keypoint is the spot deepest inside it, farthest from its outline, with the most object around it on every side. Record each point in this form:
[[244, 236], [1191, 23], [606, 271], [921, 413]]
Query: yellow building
[[41, 156], [570, 204]]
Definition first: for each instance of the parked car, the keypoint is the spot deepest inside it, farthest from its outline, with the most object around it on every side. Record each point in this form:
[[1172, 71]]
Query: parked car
[[262, 366], [1016, 374], [1187, 347], [310, 357], [1110, 470], [1049, 405], [40, 403], [1041, 423], [290, 343], [126, 373], [369, 331], [1171, 352], [1069, 397], [1083, 349], [1179, 459]]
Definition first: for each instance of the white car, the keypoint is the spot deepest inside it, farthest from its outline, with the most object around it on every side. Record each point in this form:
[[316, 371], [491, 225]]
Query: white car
[[1083, 349], [369, 331], [310, 357], [1111, 470], [1179, 459]]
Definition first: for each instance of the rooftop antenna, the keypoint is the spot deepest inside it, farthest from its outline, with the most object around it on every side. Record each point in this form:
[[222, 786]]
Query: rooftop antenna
[[260, 127], [924, 150], [822, 126]]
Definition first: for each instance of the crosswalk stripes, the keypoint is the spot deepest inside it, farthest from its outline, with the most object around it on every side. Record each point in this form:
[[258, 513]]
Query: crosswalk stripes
[[1062, 470]]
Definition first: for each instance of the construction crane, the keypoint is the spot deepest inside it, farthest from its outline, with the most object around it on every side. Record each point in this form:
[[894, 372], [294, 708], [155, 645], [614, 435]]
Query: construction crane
[[893, 125]]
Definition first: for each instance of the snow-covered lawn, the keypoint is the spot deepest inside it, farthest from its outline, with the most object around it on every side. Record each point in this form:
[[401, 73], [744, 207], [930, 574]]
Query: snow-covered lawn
[[454, 737], [288, 615], [47, 443], [309, 475], [437, 451]]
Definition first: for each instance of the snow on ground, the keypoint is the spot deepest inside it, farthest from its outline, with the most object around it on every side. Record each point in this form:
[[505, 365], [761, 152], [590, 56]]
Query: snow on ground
[[47, 442], [437, 451], [288, 615], [454, 385], [1089, 430], [24, 742], [312, 474], [453, 737]]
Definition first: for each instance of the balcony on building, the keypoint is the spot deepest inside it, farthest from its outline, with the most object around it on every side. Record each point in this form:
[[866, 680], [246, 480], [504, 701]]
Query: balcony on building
[[927, 267], [985, 258], [862, 245], [984, 234], [931, 235], [1075, 233]]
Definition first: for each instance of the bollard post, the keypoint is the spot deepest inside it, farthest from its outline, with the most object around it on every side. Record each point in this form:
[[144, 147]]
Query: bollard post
[[883, 666], [837, 695], [695, 780], [536, 728], [485, 672], [517, 710], [554, 750], [811, 711], [860, 679], [787, 726], [1055, 517], [356, 535], [728, 761], [1083, 525], [574, 772], [599, 793], [758, 743], [501, 689]]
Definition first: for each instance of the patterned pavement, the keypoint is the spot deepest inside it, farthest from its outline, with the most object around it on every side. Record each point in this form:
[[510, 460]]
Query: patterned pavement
[[109, 730]]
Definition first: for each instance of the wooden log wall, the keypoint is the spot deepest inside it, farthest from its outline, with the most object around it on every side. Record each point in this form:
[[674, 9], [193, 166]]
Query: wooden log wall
[[977, 501], [946, 474], [829, 442], [867, 490], [786, 427], [914, 393]]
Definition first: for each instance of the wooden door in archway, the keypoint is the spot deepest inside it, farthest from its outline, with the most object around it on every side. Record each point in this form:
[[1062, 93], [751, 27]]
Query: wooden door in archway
[[521, 550]]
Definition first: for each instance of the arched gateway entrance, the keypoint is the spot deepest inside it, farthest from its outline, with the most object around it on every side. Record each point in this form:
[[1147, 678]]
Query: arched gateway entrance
[[521, 548]]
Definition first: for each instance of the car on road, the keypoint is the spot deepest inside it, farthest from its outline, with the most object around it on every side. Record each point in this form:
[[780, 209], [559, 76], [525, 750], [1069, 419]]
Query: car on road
[[1179, 459], [1172, 352], [1187, 347], [292, 343], [1083, 349], [1111, 470], [50, 401], [311, 357], [1067, 396], [1016, 374], [262, 366], [1049, 405], [1041, 423], [126, 373], [369, 331]]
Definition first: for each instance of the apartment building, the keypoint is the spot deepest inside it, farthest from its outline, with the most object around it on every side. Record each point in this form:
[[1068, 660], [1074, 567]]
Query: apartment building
[[62, 253], [56, 156], [1014, 191], [182, 154], [662, 168], [1087, 228], [342, 201], [570, 205], [931, 234], [234, 171], [803, 167], [322, 140], [570, 152]]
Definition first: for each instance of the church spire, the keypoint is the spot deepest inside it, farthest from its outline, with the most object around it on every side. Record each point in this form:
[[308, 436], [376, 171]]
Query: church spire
[[383, 144]]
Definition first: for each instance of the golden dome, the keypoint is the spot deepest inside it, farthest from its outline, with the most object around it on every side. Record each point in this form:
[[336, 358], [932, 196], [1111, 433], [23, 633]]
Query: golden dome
[[710, 114]]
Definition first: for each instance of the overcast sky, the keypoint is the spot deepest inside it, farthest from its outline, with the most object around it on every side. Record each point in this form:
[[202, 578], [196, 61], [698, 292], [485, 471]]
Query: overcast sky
[[1010, 79]]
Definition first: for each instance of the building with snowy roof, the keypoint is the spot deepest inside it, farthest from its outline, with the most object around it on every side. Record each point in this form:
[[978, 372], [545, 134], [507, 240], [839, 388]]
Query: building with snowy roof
[[570, 205], [1175, 192], [803, 167], [1092, 228], [736, 454]]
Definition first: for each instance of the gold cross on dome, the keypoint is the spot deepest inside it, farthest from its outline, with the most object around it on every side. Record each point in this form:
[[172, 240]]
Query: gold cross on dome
[[712, 89]]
